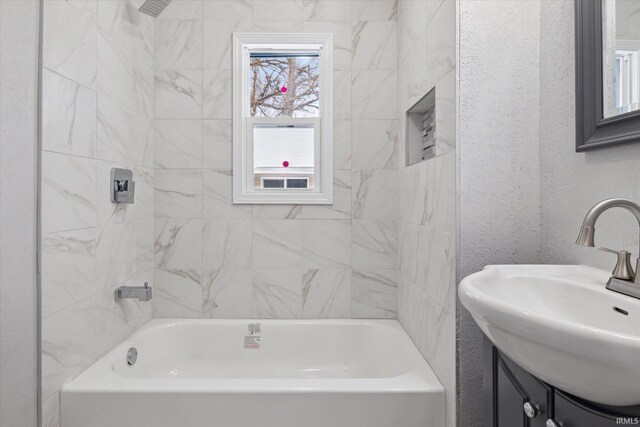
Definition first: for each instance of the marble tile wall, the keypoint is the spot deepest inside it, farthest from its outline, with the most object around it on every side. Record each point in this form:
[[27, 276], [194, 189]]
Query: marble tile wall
[[216, 259], [97, 110], [427, 190]]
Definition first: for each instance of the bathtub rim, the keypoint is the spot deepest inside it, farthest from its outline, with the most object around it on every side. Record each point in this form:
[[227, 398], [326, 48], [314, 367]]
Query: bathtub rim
[[100, 378]]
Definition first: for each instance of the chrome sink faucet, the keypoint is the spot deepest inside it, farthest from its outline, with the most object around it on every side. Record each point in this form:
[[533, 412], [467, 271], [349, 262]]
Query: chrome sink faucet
[[623, 279], [142, 293]]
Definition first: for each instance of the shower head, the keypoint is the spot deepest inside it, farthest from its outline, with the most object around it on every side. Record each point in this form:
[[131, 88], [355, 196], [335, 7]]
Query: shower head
[[154, 7]]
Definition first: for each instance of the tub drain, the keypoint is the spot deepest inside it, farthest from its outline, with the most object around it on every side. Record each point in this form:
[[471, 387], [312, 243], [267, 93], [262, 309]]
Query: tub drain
[[132, 356]]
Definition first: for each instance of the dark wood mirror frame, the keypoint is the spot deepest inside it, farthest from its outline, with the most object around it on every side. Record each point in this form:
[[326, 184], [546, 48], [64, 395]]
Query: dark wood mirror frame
[[593, 131]]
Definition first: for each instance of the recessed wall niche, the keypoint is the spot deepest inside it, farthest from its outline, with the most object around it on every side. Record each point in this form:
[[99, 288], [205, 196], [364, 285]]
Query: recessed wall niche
[[420, 135]]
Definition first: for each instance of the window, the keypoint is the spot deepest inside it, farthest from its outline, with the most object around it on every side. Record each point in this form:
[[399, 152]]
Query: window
[[282, 118], [627, 80]]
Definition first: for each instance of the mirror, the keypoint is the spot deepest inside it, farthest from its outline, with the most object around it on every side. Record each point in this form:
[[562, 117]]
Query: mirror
[[607, 73], [621, 56]]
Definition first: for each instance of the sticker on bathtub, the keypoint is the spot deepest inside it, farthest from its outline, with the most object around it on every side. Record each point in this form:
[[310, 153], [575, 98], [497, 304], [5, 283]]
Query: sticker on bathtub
[[252, 341]]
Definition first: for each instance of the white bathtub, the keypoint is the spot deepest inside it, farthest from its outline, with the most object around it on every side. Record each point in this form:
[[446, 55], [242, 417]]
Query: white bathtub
[[316, 373]]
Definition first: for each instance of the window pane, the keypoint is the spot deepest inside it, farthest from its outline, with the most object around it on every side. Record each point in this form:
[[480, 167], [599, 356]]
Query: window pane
[[284, 86], [283, 152], [297, 183], [272, 183]]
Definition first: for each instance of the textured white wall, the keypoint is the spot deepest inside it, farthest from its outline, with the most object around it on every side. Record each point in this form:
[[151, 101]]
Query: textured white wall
[[573, 182], [499, 215], [19, 41]]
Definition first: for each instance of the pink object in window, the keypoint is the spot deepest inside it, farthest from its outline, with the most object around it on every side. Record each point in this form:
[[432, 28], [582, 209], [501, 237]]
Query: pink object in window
[[283, 89], [285, 164]]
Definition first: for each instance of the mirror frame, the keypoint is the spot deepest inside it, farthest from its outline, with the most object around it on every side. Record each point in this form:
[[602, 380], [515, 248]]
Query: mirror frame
[[593, 131]]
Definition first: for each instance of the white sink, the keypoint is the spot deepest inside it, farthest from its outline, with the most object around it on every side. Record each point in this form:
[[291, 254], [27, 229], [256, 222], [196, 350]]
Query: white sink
[[560, 323]]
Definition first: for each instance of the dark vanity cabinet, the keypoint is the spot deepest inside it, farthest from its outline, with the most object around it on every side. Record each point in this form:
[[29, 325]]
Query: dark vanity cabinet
[[515, 398]]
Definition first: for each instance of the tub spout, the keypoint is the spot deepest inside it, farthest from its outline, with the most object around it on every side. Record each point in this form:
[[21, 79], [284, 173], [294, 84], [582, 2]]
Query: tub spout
[[142, 293]]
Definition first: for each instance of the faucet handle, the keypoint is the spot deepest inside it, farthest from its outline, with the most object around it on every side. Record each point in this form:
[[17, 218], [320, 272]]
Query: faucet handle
[[623, 269]]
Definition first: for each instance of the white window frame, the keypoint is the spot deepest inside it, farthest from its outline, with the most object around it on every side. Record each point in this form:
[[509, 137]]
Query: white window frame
[[244, 191]]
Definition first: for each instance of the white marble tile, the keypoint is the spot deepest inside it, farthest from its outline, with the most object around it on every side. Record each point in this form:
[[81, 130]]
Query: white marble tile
[[408, 237], [217, 145], [226, 244], [412, 21], [227, 10], [433, 203], [128, 27], [375, 144], [177, 144], [436, 265], [341, 207], [259, 26], [68, 192], [277, 243], [342, 144], [374, 293], [178, 244], [178, 45], [432, 7], [116, 321], [414, 307], [124, 76], [326, 243], [69, 36], [277, 211], [440, 342], [441, 41], [68, 269], [374, 10], [217, 94], [414, 74], [108, 212], [143, 245], [446, 113], [402, 142], [327, 10], [342, 95], [124, 135], [217, 197], [374, 193], [51, 411], [408, 179], [183, 9], [375, 45], [341, 30], [276, 294], [68, 116], [375, 244], [68, 345], [374, 94], [178, 94], [145, 194], [178, 193], [177, 293], [277, 10], [114, 255], [326, 294], [226, 294], [217, 42]]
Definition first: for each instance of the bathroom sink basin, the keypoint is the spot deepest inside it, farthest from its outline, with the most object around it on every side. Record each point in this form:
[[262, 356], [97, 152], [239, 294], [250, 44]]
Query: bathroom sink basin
[[560, 323]]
